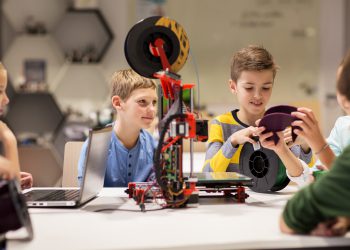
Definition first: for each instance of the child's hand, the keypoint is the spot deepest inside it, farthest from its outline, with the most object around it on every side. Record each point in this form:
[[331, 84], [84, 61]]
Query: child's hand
[[310, 130], [336, 227], [321, 167], [311, 175], [7, 171], [288, 139], [26, 180], [244, 135], [269, 143]]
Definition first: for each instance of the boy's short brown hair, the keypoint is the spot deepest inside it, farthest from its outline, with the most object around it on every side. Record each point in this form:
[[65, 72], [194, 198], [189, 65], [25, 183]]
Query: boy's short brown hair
[[2, 68], [125, 81], [3, 73], [343, 83], [252, 58]]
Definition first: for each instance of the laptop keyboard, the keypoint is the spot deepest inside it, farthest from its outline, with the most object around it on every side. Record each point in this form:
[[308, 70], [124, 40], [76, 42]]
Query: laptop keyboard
[[53, 195]]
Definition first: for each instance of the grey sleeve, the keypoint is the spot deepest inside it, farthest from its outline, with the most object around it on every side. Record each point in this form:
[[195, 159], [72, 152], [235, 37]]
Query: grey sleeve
[[299, 152]]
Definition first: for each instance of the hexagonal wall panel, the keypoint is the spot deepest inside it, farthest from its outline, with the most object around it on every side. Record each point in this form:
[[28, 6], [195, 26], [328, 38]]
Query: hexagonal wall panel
[[42, 162], [33, 48], [47, 12], [8, 34], [36, 114], [82, 88], [84, 35], [120, 25]]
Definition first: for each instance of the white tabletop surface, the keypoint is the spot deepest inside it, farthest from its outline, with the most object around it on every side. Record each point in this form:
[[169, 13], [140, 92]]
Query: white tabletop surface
[[112, 221]]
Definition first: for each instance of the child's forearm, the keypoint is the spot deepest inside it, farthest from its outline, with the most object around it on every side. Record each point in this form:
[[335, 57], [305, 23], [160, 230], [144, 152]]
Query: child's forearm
[[290, 161], [6, 169], [326, 155]]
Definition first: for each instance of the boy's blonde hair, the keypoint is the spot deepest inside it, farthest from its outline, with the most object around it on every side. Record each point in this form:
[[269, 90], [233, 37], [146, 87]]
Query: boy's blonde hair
[[3, 73], [252, 58], [2, 68], [125, 81]]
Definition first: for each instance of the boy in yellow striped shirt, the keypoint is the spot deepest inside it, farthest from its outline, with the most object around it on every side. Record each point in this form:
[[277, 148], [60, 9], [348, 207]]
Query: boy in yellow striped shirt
[[253, 71]]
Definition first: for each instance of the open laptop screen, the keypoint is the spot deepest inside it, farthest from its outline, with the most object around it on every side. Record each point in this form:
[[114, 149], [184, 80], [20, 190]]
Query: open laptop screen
[[93, 177], [95, 163]]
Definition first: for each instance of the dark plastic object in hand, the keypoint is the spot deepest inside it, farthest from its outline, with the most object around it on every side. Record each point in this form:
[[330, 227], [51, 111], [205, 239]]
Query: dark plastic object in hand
[[278, 118]]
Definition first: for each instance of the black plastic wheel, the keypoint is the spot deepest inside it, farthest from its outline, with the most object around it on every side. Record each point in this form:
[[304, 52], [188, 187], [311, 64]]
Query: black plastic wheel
[[264, 167], [144, 33]]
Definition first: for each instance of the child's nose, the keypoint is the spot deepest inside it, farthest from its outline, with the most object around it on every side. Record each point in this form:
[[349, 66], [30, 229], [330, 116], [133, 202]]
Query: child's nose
[[151, 107], [6, 99], [257, 94]]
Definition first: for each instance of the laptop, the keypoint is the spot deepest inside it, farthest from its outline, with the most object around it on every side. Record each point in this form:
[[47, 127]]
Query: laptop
[[92, 181]]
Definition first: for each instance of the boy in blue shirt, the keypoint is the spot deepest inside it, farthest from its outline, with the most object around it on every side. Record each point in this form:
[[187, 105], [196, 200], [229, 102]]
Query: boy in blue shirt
[[130, 156]]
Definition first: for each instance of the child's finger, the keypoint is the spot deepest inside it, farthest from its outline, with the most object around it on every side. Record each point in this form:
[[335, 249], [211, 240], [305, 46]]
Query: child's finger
[[320, 230], [321, 167], [263, 137], [301, 125], [288, 139], [303, 118], [258, 131], [257, 122], [340, 226], [268, 144], [308, 112], [251, 140], [287, 133], [299, 132]]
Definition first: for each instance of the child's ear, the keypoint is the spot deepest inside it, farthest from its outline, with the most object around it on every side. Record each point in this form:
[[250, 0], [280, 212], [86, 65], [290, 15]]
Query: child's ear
[[116, 102], [346, 104], [233, 86], [343, 102]]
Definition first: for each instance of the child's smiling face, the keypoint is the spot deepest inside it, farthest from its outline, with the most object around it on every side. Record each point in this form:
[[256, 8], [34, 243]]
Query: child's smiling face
[[253, 90]]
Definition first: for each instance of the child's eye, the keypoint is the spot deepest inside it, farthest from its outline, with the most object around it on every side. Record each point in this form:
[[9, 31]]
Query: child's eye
[[154, 103], [142, 102], [248, 89], [267, 88]]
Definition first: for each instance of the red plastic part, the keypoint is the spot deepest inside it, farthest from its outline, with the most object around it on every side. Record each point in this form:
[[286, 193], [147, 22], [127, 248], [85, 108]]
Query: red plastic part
[[241, 196], [131, 187]]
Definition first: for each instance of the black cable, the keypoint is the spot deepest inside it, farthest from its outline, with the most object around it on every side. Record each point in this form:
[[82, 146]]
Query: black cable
[[157, 164]]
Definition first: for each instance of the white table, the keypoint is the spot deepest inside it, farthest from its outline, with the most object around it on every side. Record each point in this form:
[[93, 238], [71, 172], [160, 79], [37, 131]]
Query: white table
[[217, 223]]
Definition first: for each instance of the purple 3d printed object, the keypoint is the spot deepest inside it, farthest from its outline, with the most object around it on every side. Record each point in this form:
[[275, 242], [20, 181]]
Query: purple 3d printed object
[[278, 118]]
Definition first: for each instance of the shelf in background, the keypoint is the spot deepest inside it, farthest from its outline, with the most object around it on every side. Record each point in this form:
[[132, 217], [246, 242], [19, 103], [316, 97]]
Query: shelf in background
[[47, 12], [83, 35], [29, 47], [82, 87], [33, 115]]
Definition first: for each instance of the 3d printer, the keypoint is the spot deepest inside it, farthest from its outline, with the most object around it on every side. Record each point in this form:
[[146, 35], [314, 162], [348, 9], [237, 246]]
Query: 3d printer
[[157, 47]]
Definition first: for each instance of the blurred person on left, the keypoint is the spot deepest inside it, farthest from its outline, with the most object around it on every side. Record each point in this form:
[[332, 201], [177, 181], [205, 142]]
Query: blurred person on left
[[9, 142]]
